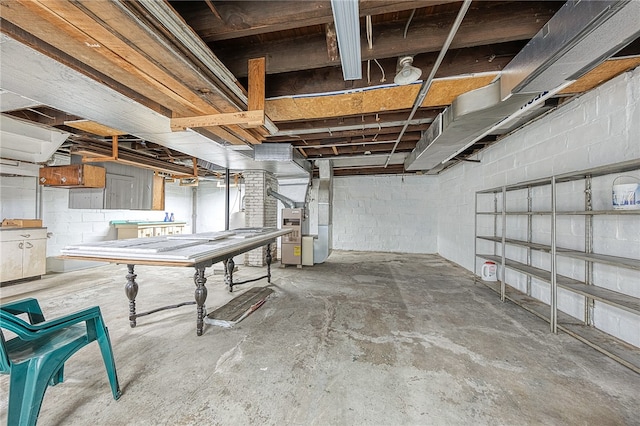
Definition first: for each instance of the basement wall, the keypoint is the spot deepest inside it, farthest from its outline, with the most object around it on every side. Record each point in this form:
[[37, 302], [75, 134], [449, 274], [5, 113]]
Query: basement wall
[[71, 226], [436, 214], [599, 128], [386, 213], [210, 207]]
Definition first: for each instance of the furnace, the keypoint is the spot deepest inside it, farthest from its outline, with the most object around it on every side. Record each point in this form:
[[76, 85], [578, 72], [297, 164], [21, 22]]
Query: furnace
[[294, 219]]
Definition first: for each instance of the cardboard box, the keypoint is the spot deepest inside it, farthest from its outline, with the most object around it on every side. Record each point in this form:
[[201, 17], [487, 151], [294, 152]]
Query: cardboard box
[[22, 223]]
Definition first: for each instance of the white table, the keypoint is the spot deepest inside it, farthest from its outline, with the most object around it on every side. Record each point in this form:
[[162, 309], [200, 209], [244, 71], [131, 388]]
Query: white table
[[196, 250]]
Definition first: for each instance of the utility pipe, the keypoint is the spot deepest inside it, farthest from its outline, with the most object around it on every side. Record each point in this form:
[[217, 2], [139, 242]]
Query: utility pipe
[[426, 85], [227, 198]]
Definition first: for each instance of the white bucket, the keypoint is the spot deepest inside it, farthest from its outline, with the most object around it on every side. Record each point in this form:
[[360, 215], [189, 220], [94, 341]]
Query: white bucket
[[626, 196], [489, 271]]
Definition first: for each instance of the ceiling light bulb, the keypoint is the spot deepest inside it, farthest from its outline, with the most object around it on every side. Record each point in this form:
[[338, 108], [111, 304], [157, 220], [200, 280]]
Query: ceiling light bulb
[[408, 73]]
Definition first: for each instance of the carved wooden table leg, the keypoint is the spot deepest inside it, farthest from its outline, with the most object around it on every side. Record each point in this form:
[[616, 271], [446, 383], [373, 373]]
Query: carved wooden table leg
[[229, 276], [201, 297], [269, 263], [131, 289]]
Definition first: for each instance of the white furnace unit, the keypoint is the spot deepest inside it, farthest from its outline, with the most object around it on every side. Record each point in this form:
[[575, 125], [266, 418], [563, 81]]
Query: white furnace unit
[[295, 220]]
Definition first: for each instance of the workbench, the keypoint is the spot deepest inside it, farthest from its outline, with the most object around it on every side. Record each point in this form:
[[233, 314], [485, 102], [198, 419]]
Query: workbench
[[199, 251]]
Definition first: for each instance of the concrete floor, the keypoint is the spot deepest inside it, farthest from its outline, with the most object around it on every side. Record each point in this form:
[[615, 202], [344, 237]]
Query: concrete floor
[[366, 338]]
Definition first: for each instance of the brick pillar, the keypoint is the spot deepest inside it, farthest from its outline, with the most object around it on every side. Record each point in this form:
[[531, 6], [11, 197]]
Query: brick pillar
[[260, 210]]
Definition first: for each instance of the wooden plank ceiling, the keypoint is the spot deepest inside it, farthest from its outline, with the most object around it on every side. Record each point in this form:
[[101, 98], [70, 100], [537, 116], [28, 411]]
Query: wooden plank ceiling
[[121, 45]]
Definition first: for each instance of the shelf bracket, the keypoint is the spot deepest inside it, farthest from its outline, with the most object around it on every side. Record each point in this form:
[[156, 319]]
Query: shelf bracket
[[100, 159]]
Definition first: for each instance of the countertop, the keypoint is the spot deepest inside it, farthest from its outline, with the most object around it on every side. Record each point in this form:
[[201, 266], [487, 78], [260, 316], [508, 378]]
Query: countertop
[[16, 228], [144, 222]]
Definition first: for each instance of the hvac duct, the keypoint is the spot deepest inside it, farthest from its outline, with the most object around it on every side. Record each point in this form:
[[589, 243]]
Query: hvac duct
[[26, 141], [323, 244], [288, 202], [577, 38], [469, 115], [277, 154]]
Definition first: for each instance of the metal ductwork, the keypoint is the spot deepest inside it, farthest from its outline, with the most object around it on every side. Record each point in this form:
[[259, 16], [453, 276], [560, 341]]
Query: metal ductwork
[[288, 202], [578, 37], [323, 244], [470, 115], [272, 155], [581, 35], [26, 141]]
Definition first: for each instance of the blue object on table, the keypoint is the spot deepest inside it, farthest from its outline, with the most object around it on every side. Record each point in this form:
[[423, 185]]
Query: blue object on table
[[35, 358], [166, 217], [172, 218]]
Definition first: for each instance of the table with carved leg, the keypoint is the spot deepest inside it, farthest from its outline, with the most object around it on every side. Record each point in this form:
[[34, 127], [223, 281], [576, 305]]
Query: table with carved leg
[[199, 251]]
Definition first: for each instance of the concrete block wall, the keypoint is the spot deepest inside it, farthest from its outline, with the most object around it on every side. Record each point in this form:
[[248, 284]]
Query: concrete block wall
[[386, 213], [210, 207], [18, 196], [598, 128], [72, 226], [260, 210]]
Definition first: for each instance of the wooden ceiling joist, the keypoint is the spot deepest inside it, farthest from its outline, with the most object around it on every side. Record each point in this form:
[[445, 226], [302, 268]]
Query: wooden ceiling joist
[[442, 93], [510, 22], [255, 117], [103, 154], [94, 128], [104, 35], [257, 18]]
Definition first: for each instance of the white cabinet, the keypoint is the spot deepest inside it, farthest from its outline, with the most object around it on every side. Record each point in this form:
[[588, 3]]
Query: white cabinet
[[554, 240], [23, 252], [148, 229]]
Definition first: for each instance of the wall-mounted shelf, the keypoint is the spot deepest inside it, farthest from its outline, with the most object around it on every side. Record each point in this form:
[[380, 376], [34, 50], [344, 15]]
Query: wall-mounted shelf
[[73, 176], [576, 254], [501, 229]]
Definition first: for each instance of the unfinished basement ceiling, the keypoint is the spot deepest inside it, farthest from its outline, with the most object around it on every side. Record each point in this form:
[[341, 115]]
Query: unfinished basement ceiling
[[190, 58]]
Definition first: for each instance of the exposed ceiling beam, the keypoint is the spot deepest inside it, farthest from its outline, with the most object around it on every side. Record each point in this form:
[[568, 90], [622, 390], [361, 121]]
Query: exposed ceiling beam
[[481, 59], [248, 18], [510, 22], [129, 51]]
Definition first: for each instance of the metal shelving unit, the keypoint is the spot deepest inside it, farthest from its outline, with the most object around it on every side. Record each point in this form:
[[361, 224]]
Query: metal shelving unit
[[583, 330]]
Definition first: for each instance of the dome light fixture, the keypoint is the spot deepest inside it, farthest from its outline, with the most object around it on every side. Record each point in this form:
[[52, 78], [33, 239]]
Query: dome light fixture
[[407, 73]]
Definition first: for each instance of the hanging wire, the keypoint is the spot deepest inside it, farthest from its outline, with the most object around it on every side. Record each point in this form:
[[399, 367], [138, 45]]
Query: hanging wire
[[370, 44], [383, 79], [406, 28], [369, 32]]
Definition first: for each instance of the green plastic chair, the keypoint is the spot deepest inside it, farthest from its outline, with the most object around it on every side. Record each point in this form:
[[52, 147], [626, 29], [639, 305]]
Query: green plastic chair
[[34, 358]]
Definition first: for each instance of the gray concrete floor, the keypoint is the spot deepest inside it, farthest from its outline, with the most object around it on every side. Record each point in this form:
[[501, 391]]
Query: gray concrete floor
[[366, 338]]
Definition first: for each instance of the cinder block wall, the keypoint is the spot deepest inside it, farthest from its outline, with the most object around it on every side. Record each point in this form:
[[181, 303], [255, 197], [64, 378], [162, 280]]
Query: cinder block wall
[[72, 226], [260, 210], [210, 206], [386, 213], [18, 197], [598, 128]]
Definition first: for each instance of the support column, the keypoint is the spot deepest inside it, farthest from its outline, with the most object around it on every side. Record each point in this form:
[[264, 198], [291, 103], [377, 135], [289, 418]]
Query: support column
[[260, 210]]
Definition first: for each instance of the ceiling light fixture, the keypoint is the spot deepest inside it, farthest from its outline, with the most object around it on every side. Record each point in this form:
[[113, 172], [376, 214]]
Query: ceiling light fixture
[[407, 73], [346, 16]]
